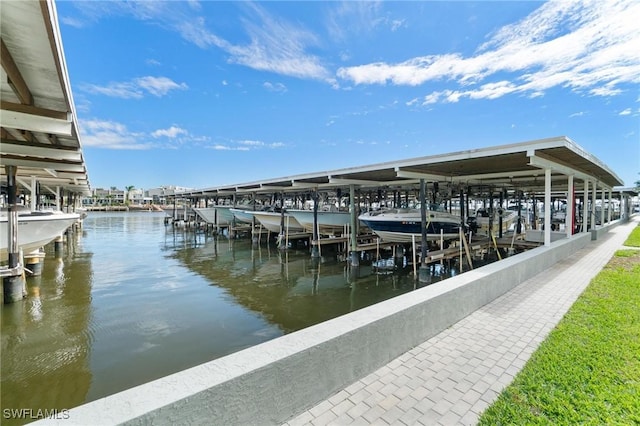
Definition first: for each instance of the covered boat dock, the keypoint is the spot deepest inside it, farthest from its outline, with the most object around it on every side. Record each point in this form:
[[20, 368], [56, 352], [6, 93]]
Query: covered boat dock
[[544, 169], [40, 147]]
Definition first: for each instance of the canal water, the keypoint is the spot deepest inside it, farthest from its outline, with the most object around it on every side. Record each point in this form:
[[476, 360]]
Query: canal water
[[131, 299]]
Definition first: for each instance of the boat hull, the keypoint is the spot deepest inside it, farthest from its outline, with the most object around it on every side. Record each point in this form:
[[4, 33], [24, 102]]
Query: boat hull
[[217, 215], [271, 221], [244, 216], [508, 219], [406, 226], [328, 222], [179, 213], [36, 230]]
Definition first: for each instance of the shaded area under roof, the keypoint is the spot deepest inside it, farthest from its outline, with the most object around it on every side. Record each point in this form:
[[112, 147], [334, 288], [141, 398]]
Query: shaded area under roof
[[38, 118], [518, 166]]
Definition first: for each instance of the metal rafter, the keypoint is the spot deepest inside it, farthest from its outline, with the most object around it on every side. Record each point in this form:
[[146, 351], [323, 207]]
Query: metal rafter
[[39, 126], [16, 81]]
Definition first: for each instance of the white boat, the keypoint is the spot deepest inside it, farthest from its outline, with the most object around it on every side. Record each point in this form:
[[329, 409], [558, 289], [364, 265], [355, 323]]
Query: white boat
[[180, 212], [244, 216], [482, 217], [216, 215], [36, 229], [329, 223], [405, 225], [272, 220]]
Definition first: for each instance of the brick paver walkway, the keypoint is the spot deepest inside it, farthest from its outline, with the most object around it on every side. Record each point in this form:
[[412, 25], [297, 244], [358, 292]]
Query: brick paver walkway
[[451, 378]]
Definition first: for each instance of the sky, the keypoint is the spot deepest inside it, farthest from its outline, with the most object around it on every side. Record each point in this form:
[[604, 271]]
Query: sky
[[207, 93]]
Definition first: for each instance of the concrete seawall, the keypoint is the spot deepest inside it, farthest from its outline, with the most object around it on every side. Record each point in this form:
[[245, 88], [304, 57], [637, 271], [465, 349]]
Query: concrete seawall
[[271, 382]]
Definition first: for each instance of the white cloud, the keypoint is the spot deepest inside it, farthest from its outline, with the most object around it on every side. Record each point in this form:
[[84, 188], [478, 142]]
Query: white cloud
[[246, 145], [589, 47], [359, 18], [171, 132], [605, 91], [432, 98], [577, 114], [486, 91], [353, 17], [274, 87], [219, 147], [110, 135], [396, 24], [625, 112], [275, 45], [278, 46], [251, 143], [72, 22], [136, 88], [159, 86]]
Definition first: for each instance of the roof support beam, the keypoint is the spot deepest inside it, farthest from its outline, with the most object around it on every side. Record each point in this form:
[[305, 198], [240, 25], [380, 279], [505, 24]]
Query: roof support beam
[[48, 188], [32, 150], [27, 135], [26, 184], [51, 172], [426, 176], [16, 81], [362, 182], [35, 123], [304, 185], [501, 175], [58, 165], [545, 162], [274, 187], [34, 110], [54, 140]]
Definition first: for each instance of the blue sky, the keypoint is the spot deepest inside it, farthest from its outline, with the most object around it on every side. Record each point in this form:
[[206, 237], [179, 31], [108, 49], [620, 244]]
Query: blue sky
[[200, 94]]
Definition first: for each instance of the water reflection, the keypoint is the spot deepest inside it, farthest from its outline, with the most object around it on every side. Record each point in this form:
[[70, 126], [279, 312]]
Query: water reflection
[[43, 343], [130, 300], [287, 288]]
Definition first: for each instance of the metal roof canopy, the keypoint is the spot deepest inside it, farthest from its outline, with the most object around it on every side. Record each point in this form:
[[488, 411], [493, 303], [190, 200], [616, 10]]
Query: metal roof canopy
[[519, 166], [38, 119]]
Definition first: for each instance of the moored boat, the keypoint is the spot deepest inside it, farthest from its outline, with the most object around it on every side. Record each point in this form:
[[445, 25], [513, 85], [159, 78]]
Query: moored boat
[[405, 225], [329, 222], [244, 216], [272, 221], [480, 223], [216, 215], [36, 229], [179, 212]]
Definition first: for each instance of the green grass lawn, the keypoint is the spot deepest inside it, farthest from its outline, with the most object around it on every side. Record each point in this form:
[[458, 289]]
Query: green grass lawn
[[587, 371], [634, 238]]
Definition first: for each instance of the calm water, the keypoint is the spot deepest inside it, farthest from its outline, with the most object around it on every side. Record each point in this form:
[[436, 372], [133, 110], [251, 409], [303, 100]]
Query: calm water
[[131, 300]]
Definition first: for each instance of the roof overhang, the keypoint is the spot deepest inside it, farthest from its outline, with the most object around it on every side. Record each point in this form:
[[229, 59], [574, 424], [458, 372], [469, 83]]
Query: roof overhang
[[520, 166], [39, 127]]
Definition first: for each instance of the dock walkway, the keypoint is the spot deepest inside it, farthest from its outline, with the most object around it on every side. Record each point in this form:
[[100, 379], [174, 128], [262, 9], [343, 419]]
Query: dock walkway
[[453, 377]]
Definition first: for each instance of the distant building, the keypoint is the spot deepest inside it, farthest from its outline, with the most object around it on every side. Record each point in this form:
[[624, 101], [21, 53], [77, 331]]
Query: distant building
[[104, 197], [161, 194], [137, 196]]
